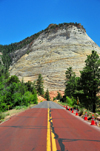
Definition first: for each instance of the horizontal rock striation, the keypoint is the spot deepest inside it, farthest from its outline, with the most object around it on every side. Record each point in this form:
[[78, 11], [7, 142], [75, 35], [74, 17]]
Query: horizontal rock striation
[[52, 53]]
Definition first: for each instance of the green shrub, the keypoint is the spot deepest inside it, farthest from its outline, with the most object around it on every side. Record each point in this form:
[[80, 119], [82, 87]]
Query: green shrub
[[25, 100], [17, 99], [80, 111], [54, 98], [88, 112], [95, 116], [35, 99], [75, 106], [74, 102], [24, 107], [98, 112], [58, 96], [70, 101], [3, 107], [28, 98], [2, 115], [18, 107]]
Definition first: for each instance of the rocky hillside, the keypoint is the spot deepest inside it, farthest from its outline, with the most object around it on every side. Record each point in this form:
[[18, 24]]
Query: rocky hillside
[[51, 53]]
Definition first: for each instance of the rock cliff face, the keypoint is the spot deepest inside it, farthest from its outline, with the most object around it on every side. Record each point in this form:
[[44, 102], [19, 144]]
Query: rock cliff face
[[52, 53]]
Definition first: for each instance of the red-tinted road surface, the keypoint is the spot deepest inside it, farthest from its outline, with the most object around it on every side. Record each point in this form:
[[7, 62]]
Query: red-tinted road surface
[[73, 134], [27, 131]]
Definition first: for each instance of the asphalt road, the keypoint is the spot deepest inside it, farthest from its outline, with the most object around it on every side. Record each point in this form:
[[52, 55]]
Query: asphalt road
[[48, 127], [51, 104]]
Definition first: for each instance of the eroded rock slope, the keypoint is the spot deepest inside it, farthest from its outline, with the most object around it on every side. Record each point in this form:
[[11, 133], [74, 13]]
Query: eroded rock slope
[[52, 53]]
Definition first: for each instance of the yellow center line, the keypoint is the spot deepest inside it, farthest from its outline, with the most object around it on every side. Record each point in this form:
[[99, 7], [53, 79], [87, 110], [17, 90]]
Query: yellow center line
[[54, 148], [48, 133]]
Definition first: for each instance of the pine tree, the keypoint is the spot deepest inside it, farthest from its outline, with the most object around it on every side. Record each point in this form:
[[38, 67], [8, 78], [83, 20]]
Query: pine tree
[[69, 73], [90, 79], [59, 96], [71, 82], [39, 85], [47, 95], [35, 95]]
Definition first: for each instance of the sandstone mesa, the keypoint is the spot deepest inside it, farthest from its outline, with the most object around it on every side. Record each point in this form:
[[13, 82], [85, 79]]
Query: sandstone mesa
[[51, 54]]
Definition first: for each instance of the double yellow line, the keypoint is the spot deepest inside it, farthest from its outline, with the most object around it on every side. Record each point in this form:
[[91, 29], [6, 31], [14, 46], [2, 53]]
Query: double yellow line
[[50, 136]]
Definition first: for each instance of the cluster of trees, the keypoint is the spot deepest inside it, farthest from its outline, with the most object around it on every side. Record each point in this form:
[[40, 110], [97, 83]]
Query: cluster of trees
[[87, 85], [14, 92]]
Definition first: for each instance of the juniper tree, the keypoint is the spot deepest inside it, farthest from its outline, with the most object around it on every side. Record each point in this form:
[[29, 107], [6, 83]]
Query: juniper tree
[[39, 85], [69, 73], [59, 96], [90, 79], [47, 95], [71, 82]]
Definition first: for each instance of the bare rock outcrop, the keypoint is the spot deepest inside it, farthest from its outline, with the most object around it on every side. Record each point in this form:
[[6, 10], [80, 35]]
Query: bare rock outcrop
[[52, 53]]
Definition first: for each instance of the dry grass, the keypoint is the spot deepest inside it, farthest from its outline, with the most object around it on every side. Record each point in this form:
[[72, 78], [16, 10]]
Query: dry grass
[[8, 114]]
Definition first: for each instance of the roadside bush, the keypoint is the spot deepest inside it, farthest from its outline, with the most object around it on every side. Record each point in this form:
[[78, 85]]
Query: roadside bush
[[28, 98], [58, 96], [2, 115], [17, 99], [81, 111], [3, 106], [25, 99], [54, 98], [34, 101], [95, 116], [74, 101], [75, 106], [98, 112], [70, 101], [18, 107]]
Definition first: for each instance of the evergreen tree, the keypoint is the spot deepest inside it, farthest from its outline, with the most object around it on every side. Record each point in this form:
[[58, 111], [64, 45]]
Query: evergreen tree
[[71, 86], [69, 73], [29, 86], [47, 95], [12, 79], [71, 82], [39, 85], [90, 79], [22, 87], [59, 96], [35, 95]]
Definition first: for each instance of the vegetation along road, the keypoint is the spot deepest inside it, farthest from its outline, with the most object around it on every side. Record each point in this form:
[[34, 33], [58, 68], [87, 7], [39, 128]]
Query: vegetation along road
[[48, 127]]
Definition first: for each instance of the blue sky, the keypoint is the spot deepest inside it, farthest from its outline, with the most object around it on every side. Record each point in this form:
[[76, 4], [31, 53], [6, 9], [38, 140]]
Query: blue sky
[[20, 19]]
